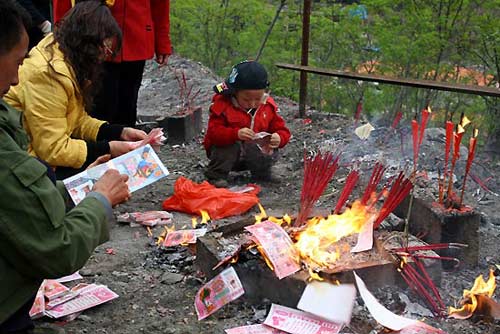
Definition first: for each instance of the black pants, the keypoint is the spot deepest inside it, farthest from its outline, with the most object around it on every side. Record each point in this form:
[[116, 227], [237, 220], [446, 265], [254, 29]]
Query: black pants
[[239, 156], [116, 101], [19, 321]]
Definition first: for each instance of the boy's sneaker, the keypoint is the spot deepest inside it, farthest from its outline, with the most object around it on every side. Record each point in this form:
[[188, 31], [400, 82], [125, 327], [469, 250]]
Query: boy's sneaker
[[267, 178]]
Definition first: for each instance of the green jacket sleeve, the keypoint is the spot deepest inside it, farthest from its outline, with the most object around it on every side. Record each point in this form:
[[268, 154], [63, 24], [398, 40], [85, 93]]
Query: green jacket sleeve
[[38, 238]]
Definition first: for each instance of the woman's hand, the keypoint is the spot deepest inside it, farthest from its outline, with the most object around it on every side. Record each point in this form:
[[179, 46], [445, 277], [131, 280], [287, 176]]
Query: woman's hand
[[162, 59], [275, 140], [131, 134], [100, 160], [245, 134], [117, 148], [113, 186]]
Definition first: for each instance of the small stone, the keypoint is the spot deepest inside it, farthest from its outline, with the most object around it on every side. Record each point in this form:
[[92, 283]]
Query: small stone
[[86, 272], [171, 278], [83, 317]]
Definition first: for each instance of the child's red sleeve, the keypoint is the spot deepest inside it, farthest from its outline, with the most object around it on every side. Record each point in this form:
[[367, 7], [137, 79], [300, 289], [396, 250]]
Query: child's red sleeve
[[278, 125], [218, 131]]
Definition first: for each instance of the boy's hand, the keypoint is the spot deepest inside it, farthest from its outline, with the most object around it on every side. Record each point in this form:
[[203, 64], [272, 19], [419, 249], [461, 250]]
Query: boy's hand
[[245, 134], [275, 140]]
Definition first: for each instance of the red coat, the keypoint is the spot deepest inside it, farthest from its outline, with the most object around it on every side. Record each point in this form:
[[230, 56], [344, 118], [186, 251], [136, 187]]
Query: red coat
[[226, 119], [145, 26]]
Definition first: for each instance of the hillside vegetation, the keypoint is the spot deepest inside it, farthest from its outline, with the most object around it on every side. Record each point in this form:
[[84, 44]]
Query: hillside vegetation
[[452, 40]]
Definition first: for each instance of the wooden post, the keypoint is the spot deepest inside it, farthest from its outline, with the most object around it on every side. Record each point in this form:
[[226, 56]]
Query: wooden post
[[306, 15]]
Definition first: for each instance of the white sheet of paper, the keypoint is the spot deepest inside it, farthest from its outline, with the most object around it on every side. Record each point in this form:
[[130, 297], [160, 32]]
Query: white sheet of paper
[[383, 316], [329, 301], [363, 132], [365, 237]]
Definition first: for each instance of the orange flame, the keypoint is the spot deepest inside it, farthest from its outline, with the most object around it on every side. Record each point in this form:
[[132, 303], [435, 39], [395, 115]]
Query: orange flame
[[316, 244], [163, 234], [469, 301], [261, 215], [205, 218]]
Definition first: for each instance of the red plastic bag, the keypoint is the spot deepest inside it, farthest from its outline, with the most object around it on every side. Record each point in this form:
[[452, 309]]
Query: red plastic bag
[[191, 197]]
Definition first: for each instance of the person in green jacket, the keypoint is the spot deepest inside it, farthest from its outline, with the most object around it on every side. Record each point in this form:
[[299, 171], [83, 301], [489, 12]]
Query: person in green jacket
[[38, 238]]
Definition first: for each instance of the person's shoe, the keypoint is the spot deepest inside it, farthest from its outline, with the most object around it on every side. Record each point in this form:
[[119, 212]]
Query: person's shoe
[[219, 183], [267, 178]]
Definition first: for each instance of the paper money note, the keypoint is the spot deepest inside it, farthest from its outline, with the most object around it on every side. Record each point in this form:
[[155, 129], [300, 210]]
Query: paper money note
[[277, 246], [183, 237], [219, 291], [254, 329], [90, 296], [297, 322]]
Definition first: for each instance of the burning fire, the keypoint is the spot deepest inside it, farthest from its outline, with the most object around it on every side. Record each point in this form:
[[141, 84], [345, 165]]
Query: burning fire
[[205, 218], [316, 243], [470, 297]]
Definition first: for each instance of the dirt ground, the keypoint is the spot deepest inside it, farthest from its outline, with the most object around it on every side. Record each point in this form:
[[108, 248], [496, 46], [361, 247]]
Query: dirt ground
[[157, 288]]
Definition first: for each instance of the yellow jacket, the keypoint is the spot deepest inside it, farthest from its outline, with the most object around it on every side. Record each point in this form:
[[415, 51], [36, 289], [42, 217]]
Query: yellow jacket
[[54, 114]]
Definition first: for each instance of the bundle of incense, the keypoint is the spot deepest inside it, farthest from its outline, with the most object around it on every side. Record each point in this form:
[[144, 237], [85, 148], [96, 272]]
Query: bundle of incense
[[371, 187], [457, 139], [414, 131], [419, 280], [394, 125], [398, 192], [449, 138], [359, 110], [418, 132], [350, 183], [470, 158], [318, 171]]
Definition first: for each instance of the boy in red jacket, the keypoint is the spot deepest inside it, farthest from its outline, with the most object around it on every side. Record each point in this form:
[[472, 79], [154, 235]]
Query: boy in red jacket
[[244, 128]]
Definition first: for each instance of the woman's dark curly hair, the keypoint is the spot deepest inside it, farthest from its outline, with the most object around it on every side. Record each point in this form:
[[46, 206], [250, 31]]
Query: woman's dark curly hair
[[80, 35]]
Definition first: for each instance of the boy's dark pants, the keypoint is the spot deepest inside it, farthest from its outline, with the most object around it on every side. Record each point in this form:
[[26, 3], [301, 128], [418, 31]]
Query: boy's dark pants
[[239, 156]]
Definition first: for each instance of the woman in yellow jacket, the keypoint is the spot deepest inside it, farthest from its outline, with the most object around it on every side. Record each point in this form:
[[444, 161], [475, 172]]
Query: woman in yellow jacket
[[56, 86]]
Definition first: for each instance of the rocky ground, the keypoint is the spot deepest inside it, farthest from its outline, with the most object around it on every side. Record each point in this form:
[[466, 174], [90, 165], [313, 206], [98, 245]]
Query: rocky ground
[[157, 288]]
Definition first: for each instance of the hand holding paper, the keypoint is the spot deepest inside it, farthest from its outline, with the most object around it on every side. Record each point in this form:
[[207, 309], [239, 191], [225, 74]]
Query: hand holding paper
[[275, 140]]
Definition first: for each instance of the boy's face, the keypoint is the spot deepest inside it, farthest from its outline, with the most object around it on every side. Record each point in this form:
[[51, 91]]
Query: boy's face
[[10, 62], [250, 98]]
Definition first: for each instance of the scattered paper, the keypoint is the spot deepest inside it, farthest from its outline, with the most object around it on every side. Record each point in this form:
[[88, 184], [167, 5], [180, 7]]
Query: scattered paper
[[277, 246], [297, 322], [134, 217], [53, 289], [89, 296], [142, 166], [365, 237], [148, 218], [155, 138], [254, 329], [219, 291], [363, 132], [421, 328], [319, 299], [38, 308], [241, 189], [263, 141], [62, 299], [385, 317], [183, 237], [73, 277]]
